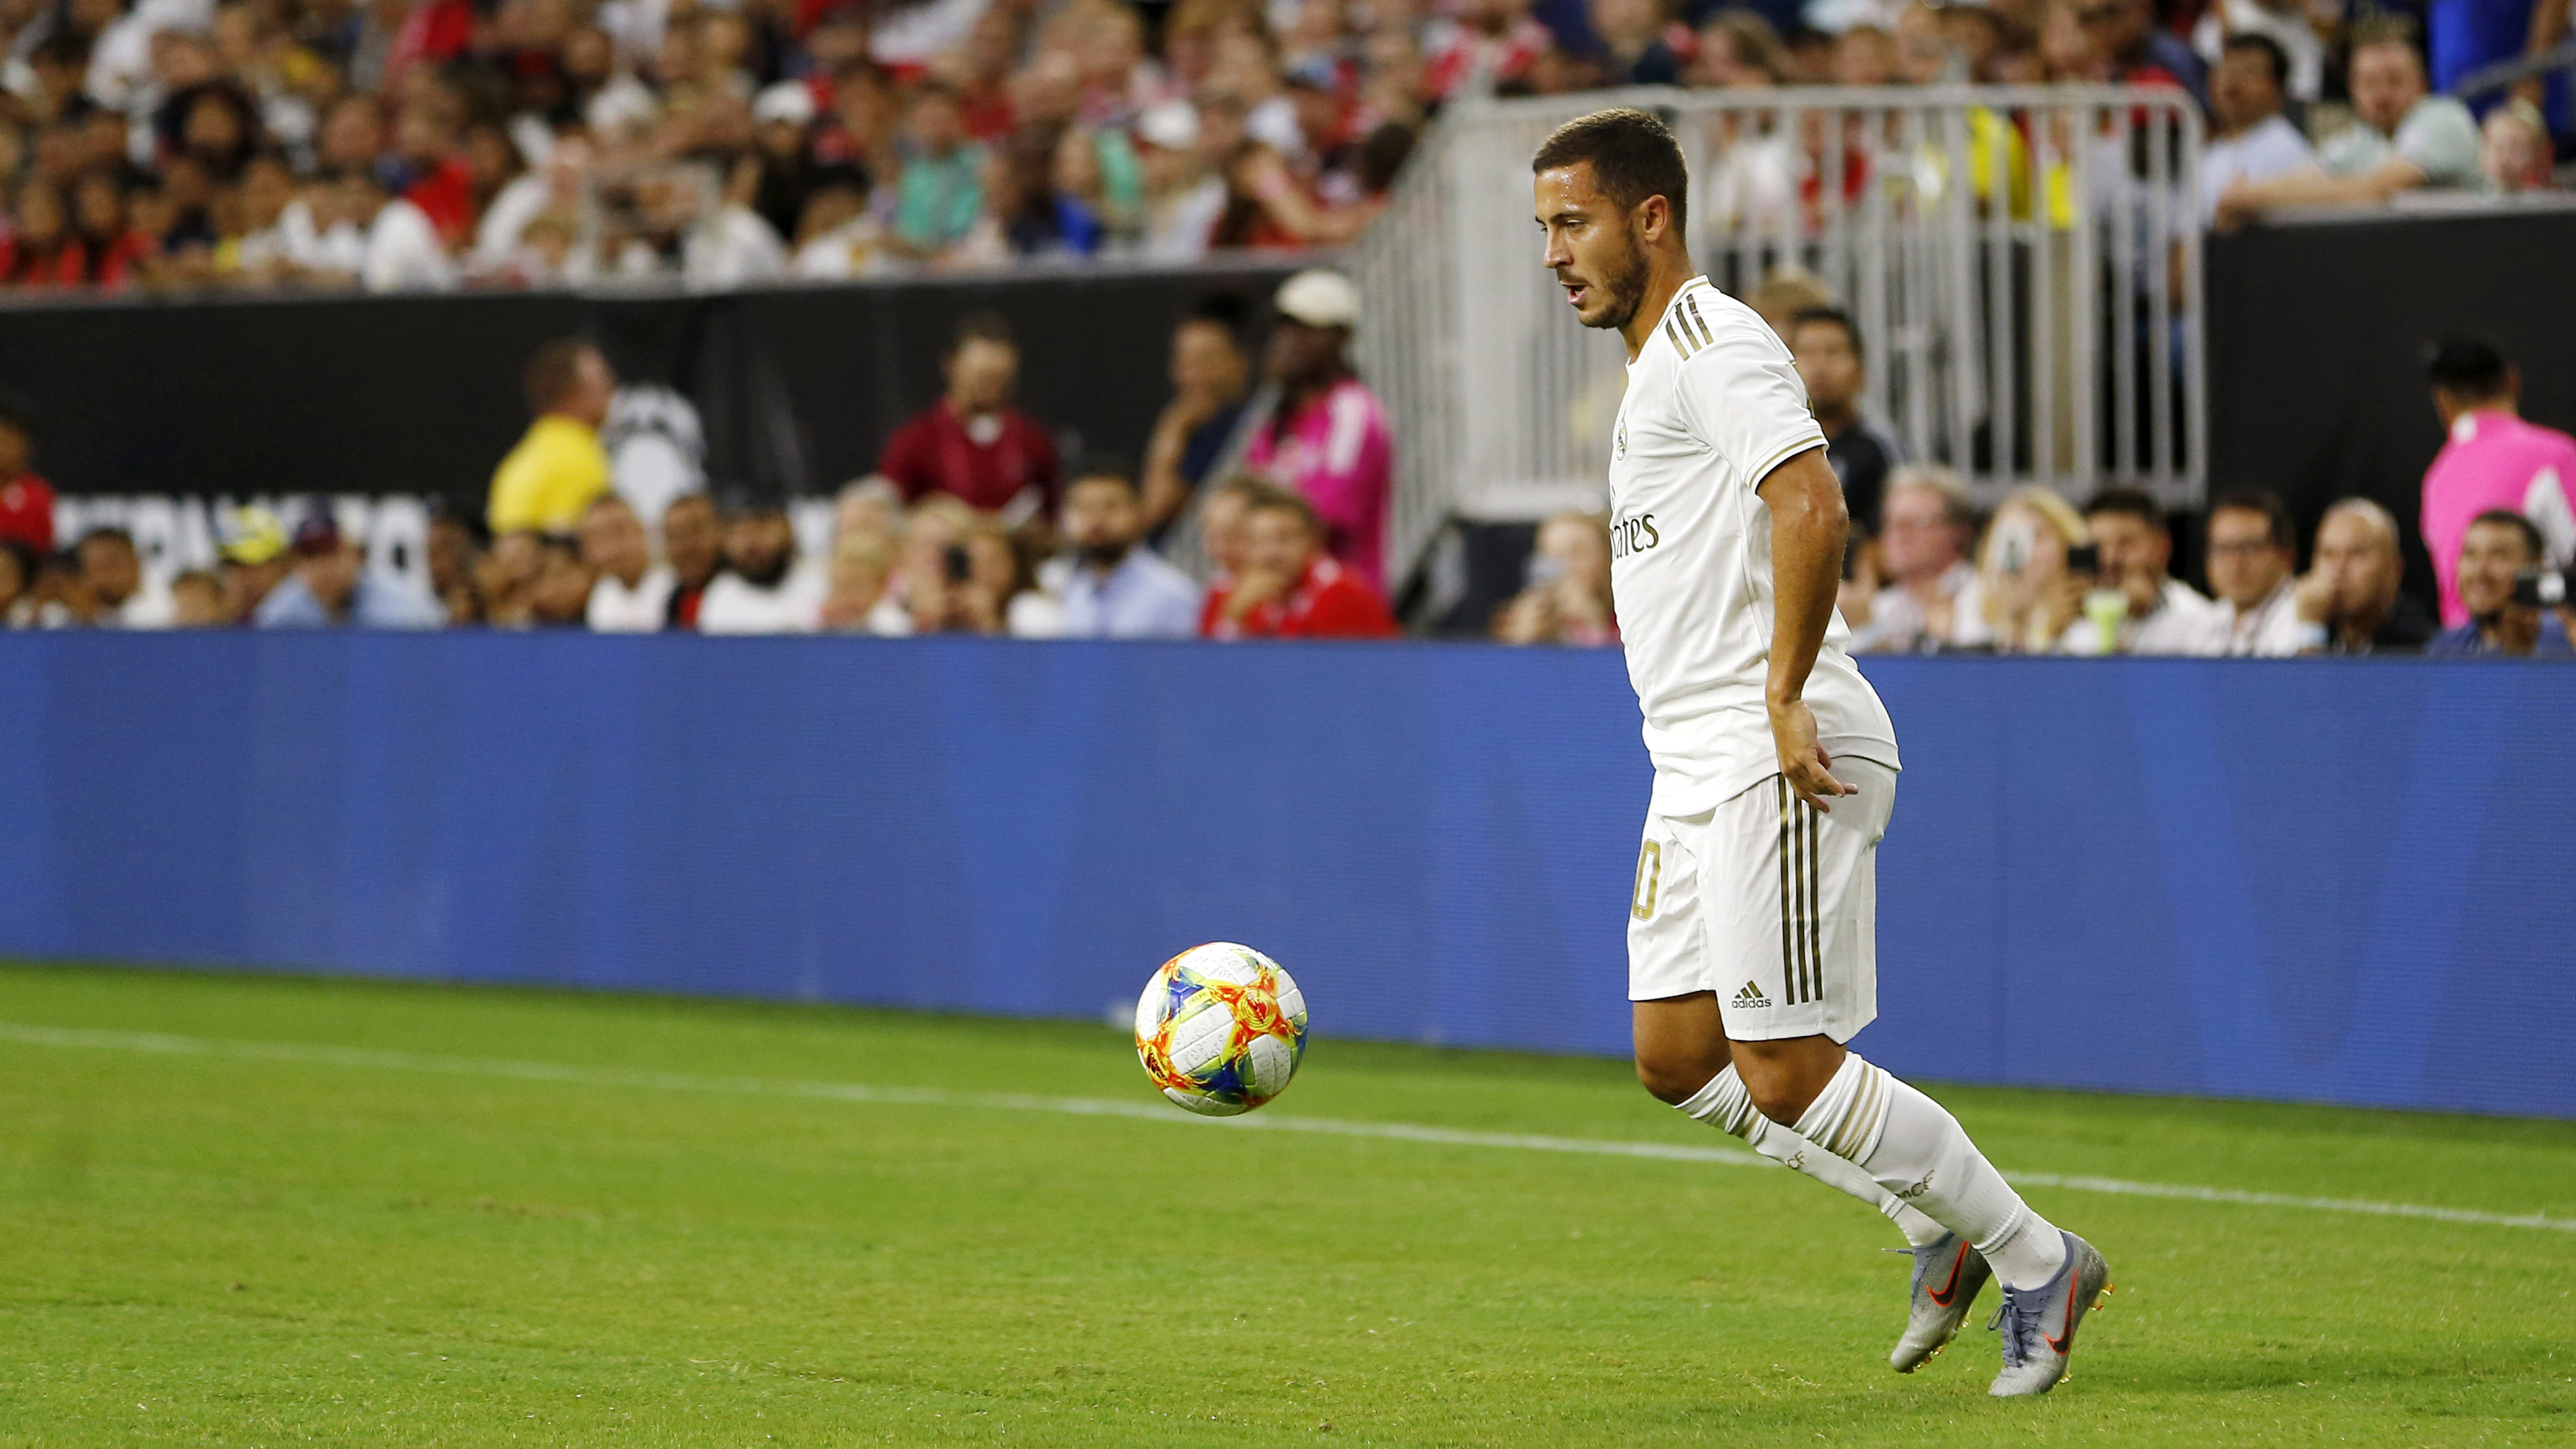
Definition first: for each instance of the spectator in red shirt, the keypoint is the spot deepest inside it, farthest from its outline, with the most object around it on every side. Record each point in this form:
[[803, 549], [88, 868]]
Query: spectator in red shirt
[[103, 249], [40, 249], [434, 177], [1289, 587], [972, 443], [26, 501]]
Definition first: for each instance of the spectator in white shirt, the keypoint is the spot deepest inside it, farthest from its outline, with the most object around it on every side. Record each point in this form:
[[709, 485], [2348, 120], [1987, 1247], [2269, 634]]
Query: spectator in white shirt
[[1115, 588], [404, 253], [684, 218], [558, 183], [2514, 151], [1932, 600], [2252, 141], [2404, 138], [859, 603], [2253, 551], [2281, 23], [1004, 571], [837, 237], [765, 588], [267, 250], [113, 569], [2135, 607], [633, 594], [1184, 198]]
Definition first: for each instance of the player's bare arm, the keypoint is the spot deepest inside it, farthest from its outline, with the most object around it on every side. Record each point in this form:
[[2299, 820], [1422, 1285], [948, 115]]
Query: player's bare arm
[[1809, 527]]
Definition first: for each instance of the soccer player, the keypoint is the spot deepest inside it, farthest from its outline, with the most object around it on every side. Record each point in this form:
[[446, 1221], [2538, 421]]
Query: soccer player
[[1752, 955]]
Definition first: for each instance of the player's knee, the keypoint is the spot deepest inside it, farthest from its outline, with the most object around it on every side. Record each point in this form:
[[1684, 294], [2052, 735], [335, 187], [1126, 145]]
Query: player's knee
[[1670, 1079], [1780, 1100], [1784, 1078]]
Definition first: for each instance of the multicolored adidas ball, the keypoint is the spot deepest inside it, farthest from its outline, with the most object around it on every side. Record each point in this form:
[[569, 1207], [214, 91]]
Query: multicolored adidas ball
[[1221, 1028]]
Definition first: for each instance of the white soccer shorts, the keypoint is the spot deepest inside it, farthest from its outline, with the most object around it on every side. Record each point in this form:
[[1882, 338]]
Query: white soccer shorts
[[1769, 904]]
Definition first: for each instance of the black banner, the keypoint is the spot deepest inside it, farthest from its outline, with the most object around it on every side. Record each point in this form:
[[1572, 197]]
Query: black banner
[[2316, 348], [797, 387]]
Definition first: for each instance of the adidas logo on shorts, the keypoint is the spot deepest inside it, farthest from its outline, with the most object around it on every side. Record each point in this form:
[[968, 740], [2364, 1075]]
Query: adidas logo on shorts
[[1750, 996]]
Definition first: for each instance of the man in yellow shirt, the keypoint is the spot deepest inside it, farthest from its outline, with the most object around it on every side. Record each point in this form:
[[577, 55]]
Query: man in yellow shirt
[[558, 468]]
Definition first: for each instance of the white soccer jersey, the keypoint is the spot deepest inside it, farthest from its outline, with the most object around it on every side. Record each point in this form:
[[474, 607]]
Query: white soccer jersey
[[1714, 404]]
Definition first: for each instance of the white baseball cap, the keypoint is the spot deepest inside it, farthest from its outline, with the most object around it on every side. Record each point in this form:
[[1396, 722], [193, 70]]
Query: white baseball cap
[[787, 101], [1172, 126], [1319, 298]]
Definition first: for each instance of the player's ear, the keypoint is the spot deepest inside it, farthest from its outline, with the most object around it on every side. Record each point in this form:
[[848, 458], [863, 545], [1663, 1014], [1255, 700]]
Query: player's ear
[[1653, 217]]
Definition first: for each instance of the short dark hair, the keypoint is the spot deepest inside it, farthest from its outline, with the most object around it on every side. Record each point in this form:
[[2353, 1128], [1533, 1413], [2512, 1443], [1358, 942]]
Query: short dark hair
[[981, 327], [62, 48], [2121, 498], [741, 503], [2278, 58], [1830, 316], [1228, 309], [2466, 366], [1633, 156], [1089, 462], [445, 511], [2276, 514], [110, 533], [553, 371], [2532, 544]]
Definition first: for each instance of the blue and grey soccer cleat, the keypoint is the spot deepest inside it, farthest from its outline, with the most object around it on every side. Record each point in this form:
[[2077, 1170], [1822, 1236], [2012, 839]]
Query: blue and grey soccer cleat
[[1948, 1275], [2039, 1325]]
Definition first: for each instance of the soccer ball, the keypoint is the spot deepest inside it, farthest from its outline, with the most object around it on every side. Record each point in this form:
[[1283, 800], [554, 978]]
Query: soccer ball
[[1220, 1029]]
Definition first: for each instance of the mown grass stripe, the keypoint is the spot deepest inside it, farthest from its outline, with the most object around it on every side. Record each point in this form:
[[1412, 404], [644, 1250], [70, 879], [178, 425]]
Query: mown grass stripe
[[300, 1054]]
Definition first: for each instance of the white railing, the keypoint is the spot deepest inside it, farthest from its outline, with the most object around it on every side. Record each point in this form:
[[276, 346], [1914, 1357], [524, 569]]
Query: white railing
[[2022, 263]]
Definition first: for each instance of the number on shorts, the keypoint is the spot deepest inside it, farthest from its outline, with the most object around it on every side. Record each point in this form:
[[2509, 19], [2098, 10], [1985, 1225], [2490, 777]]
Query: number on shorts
[[1650, 879]]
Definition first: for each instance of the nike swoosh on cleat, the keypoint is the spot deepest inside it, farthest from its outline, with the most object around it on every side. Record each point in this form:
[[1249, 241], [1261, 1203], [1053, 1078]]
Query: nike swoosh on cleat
[[2062, 1344], [1950, 1290]]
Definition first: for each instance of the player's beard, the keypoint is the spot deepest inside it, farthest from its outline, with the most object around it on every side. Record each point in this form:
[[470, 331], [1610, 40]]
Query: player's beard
[[1624, 288]]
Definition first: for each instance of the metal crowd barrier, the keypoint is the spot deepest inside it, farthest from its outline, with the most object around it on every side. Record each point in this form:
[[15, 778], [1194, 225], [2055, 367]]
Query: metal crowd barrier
[[2023, 264]]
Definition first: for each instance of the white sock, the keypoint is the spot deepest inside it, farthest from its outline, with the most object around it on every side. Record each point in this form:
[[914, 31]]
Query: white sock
[[1909, 1145], [1725, 1105]]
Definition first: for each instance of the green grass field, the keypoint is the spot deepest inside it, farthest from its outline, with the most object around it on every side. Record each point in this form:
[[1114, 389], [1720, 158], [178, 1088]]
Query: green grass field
[[371, 1227]]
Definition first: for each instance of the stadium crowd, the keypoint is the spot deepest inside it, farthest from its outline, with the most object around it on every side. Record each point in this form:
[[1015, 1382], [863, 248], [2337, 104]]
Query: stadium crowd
[[1269, 488], [407, 144]]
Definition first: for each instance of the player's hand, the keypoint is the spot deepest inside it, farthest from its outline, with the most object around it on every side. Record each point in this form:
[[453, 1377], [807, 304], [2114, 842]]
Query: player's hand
[[1803, 762]]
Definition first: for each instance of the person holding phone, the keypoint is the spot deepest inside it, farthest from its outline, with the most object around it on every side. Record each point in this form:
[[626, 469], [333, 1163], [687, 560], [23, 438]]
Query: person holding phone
[[2028, 594], [2134, 606]]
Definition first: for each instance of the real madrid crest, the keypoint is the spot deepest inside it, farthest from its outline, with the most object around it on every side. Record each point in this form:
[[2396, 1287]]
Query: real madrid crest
[[1623, 438]]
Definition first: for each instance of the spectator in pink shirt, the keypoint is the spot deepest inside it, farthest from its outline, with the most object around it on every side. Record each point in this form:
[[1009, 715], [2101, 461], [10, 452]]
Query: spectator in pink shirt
[[1328, 438], [2494, 460]]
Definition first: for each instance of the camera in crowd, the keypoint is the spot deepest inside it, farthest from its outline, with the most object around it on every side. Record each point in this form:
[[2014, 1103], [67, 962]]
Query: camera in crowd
[[2541, 588]]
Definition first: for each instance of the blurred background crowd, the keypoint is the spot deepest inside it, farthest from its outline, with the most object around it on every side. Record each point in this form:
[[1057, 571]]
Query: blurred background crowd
[[1258, 509], [417, 144]]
